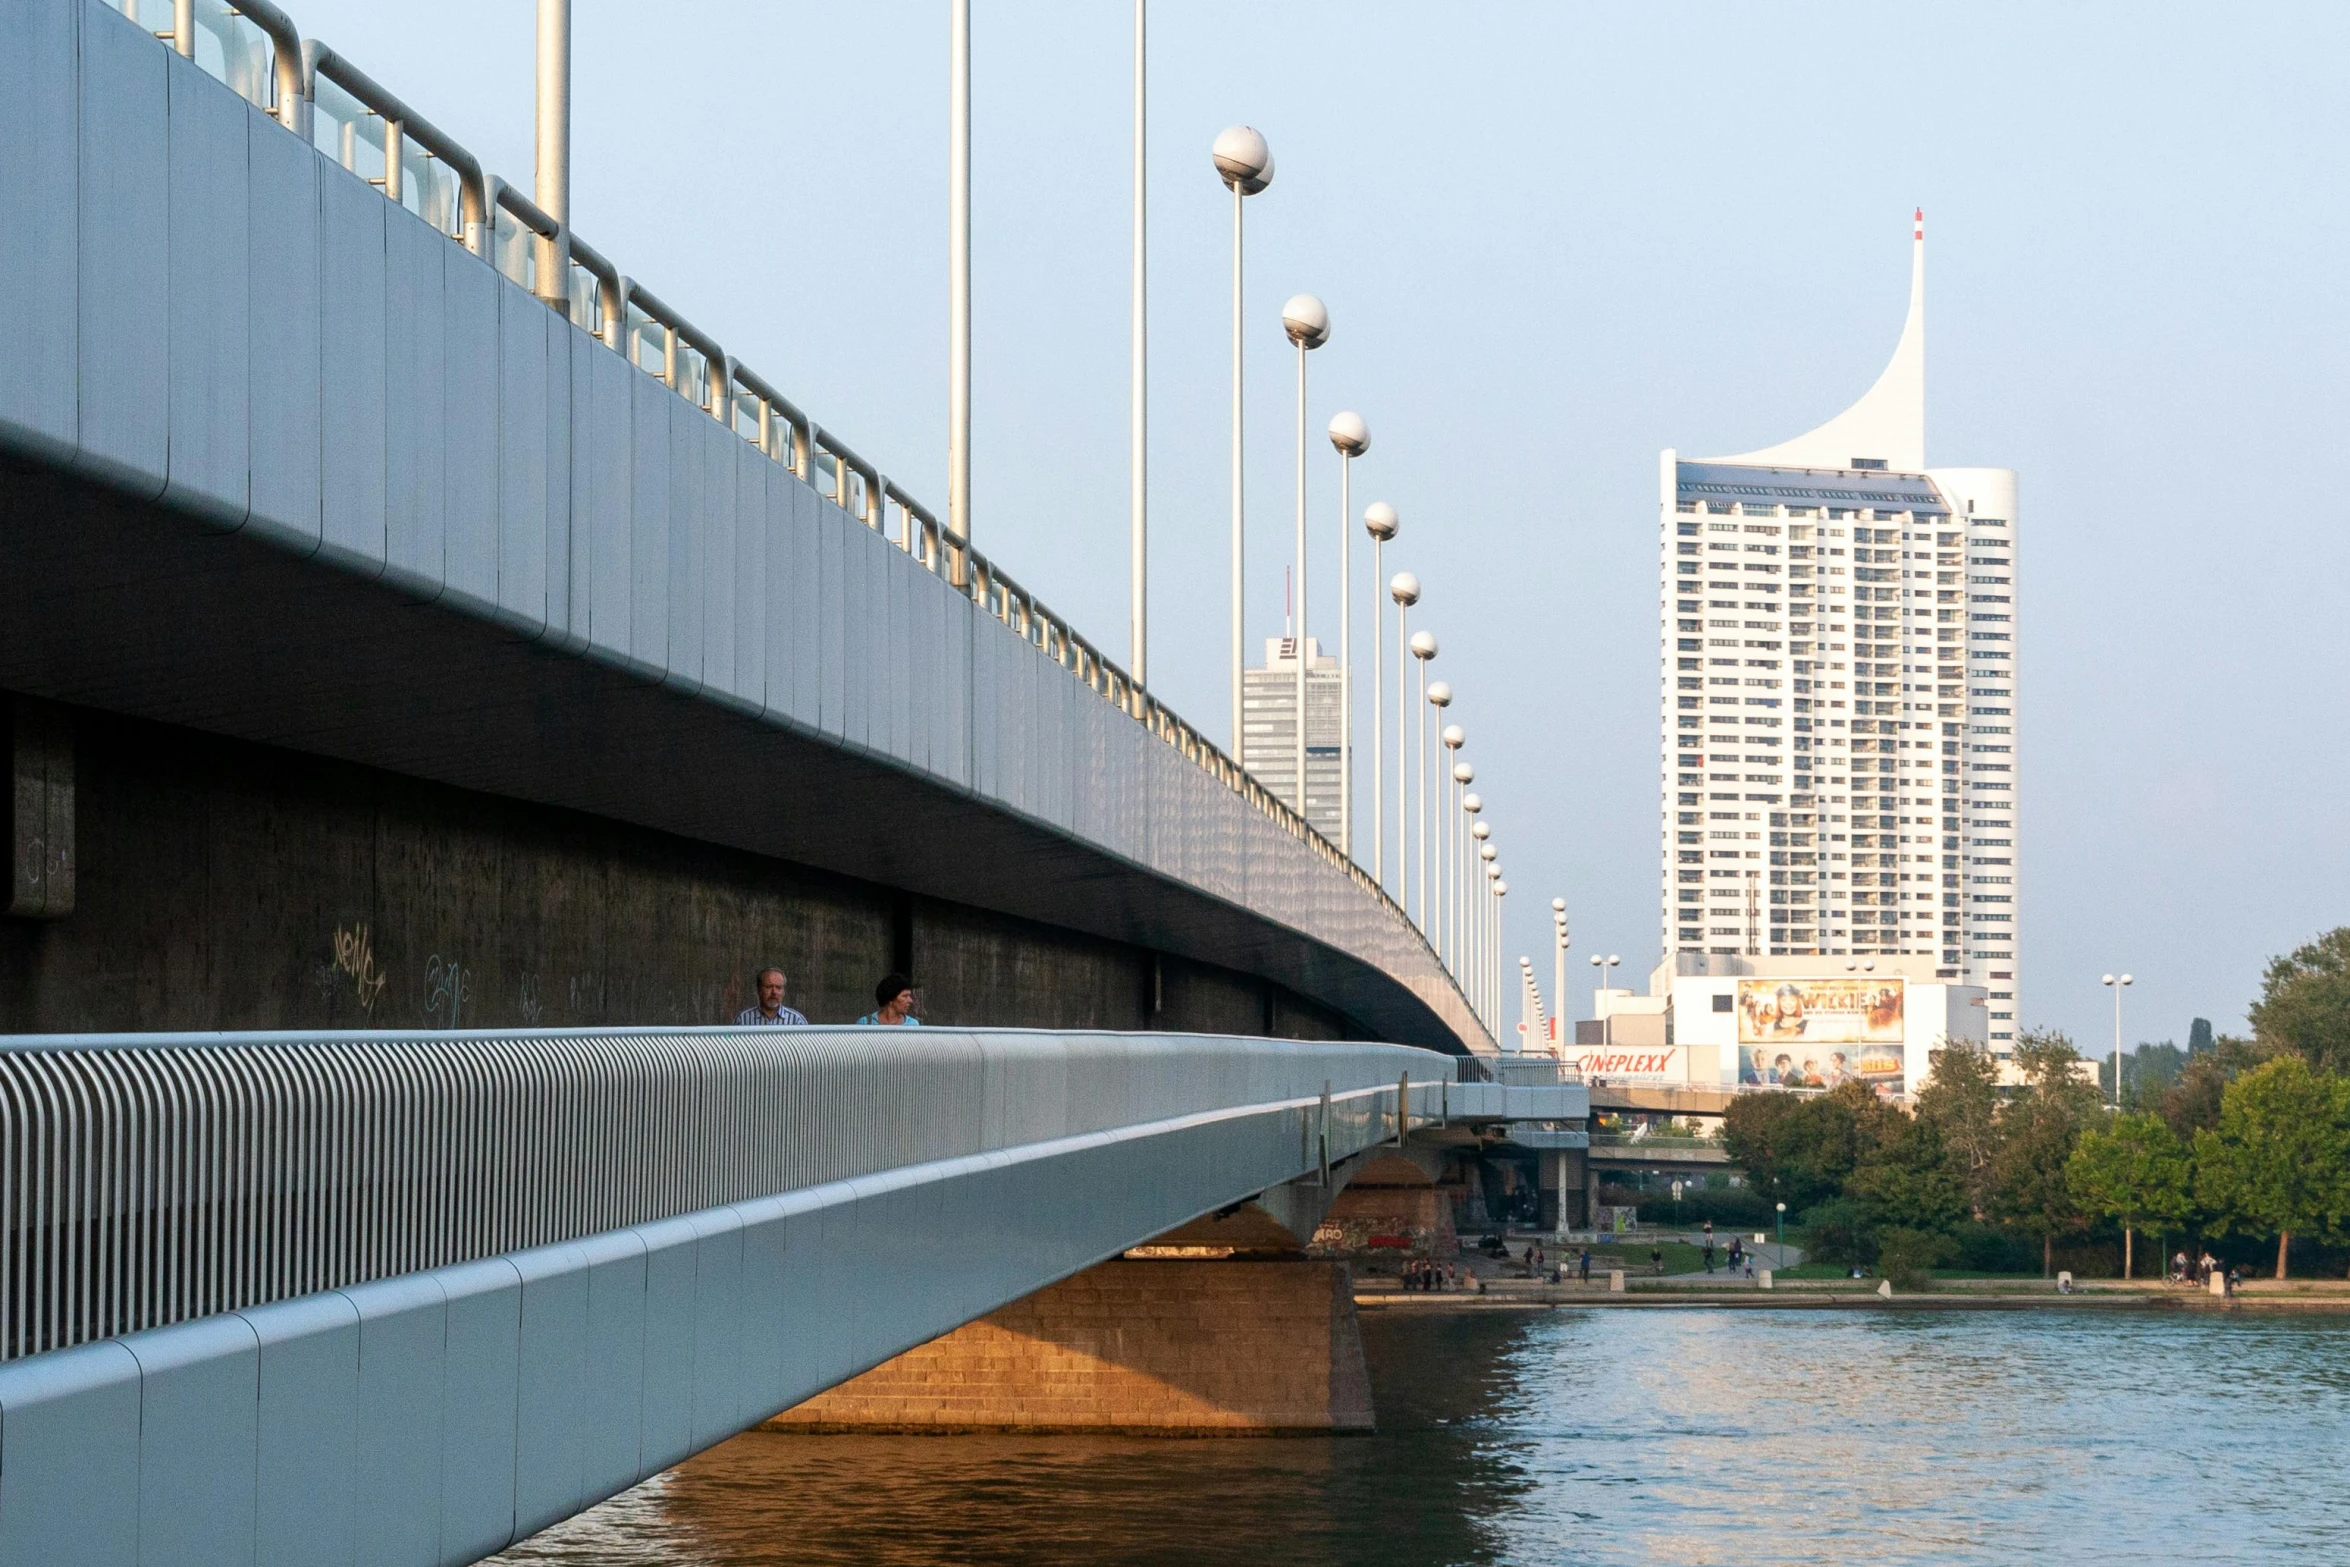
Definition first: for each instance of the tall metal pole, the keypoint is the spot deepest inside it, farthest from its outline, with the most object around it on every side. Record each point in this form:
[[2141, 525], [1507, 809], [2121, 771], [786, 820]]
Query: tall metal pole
[[550, 186], [1378, 714], [1346, 657], [1239, 531], [1138, 651], [1403, 730], [959, 274], [1303, 796], [1420, 768]]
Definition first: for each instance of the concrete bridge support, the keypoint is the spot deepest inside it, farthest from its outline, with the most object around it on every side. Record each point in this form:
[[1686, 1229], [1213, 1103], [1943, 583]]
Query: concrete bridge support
[[1139, 1345], [1563, 1182]]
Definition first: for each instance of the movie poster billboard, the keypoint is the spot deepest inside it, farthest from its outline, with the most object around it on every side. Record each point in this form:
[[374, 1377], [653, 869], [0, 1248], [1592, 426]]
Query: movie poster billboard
[[1818, 1033]]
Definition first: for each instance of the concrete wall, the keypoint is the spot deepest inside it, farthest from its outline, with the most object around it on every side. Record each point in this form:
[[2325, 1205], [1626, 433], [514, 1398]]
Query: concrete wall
[[1161, 1347], [227, 885]]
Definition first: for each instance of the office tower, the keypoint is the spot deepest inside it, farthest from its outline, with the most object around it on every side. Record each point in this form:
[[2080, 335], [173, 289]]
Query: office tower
[[1268, 729], [1839, 691]]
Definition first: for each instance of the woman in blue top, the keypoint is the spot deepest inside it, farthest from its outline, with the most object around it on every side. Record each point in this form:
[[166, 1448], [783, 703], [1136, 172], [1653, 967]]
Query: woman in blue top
[[894, 998]]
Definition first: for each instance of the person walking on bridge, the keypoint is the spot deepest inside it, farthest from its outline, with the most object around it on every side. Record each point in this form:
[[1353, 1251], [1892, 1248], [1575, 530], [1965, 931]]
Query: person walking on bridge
[[770, 1011], [893, 1005]]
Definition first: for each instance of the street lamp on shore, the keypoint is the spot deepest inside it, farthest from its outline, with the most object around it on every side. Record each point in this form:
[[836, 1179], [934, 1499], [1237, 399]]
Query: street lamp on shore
[[1782, 1235], [1455, 822], [2117, 986], [1404, 588], [1245, 163]]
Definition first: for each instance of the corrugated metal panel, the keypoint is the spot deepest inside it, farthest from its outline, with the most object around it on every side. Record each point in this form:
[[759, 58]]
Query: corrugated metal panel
[[39, 172]]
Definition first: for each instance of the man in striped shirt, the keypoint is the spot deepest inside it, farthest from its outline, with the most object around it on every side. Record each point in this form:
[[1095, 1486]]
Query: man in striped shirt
[[770, 1009]]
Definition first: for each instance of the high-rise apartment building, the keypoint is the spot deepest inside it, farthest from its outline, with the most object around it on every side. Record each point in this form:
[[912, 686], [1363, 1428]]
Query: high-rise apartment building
[[1839, 690], [1268, 729]]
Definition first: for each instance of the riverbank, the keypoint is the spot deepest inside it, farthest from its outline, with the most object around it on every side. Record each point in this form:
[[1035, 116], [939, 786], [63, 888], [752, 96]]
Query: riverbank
[[1682, 1294]]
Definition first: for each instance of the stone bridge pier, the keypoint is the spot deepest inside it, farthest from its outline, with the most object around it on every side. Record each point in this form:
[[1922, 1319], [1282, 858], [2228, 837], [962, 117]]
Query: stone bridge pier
[[1226, 1326]]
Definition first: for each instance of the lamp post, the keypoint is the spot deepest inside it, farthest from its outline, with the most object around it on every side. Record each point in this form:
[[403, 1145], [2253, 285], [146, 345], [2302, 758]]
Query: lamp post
[[1607, 1019], [1352, 437], [1422, 646], [2117, 986], [1474, 908], [1448, 912], [1487, 855], [1138, 396], [1492, 977], [1380, 521], [1404, 588], [1558, 920], [1782, 1235], [1308, 326], [550, 185], [1432, 793], [959, 277], [1246, 164], [1528, 1008]]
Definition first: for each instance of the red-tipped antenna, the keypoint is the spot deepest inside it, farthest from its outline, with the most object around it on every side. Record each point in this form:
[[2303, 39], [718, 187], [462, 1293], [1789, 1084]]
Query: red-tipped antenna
[[1919, 232]]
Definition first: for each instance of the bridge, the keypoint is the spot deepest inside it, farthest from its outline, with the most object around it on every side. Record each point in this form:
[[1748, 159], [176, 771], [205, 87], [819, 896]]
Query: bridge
[[410, 1297], [398, 573], [436, 674]]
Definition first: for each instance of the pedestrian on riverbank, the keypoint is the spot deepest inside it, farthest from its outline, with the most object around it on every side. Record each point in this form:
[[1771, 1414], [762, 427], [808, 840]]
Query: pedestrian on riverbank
[[893, 1004], [1656, 1260], [770, 1011], [1583, 1264]]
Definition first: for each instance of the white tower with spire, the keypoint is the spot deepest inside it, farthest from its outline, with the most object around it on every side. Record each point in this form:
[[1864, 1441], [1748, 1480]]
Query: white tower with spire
[[1839, 696]]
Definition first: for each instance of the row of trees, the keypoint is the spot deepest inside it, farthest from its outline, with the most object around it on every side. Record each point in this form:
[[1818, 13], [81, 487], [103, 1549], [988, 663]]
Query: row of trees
[[2250, 1138]]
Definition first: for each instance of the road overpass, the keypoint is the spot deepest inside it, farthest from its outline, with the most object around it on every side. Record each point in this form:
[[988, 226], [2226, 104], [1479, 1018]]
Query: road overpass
[[408, 618]]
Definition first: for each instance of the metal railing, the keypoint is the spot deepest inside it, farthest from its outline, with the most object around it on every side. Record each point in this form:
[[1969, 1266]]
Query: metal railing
[[157, 1179], [1517, 1071], [256, 50]]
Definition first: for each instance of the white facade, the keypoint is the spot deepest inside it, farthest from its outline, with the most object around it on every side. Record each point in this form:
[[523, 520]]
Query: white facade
[[1268, 729], [1839, 696]]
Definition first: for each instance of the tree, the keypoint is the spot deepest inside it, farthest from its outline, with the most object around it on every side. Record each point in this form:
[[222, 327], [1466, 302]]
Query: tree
[[2192, 1103], [1910, 1181], [2304, 1003], [2036, 1136], [2279, 1161], [2136, 1172], [1960, 1100], [1801, 1150]]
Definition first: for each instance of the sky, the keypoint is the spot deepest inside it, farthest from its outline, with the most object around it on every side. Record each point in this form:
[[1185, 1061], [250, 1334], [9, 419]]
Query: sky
[[1553, 240]]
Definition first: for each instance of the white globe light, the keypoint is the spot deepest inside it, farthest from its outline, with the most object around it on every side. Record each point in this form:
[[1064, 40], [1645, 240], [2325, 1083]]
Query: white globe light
[[1481, 831], [1404, 588], [1486, 851], [1243, 159], [1560, 904], [1424, 645], [1473, 804], [1349, 434], [1439, 692], [1455, 736], [1380, 521], [1306, 321], [1463, 773], [1501, 889]]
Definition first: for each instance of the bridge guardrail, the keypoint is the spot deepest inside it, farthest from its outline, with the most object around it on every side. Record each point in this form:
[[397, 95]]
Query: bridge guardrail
[[148, 1180], [256, 49]]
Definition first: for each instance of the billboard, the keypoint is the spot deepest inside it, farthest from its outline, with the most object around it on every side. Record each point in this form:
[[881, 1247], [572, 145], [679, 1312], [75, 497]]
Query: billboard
[[1817, 1033]]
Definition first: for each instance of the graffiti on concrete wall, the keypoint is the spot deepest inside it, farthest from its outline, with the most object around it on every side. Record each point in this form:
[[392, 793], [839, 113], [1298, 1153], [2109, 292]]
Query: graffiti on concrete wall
[[448, 986], [355, 957]]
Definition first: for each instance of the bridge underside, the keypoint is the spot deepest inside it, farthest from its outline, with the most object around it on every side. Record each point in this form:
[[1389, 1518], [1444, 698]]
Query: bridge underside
[[117, 605]]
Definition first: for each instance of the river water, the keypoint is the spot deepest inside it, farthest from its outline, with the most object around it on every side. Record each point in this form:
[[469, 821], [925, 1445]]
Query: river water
[[1847, 1436]]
